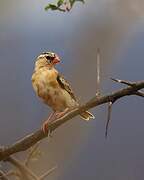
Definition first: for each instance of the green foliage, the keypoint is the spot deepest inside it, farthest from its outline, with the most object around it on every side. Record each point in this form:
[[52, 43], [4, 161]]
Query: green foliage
[[73, 1], [60, 2], [62, 5], [52, 7]]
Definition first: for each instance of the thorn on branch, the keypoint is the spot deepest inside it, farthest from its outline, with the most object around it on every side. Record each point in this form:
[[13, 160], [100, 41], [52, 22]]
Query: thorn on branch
[[108, 118]]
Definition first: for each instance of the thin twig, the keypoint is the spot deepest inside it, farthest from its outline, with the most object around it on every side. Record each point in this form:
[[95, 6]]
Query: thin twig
[[42, 177], [108, 117], [33, 138], [139, 93], [123, 82]]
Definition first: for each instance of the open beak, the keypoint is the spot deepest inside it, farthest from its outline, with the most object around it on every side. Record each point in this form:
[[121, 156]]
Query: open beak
[[56, 60]]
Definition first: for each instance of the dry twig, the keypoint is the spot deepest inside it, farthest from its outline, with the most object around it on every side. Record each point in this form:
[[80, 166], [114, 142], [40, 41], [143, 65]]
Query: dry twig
[[42, 177], [139, 93], [108, 117]]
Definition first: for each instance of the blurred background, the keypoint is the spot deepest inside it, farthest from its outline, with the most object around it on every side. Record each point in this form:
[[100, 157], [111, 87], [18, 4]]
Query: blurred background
[[78, 148]]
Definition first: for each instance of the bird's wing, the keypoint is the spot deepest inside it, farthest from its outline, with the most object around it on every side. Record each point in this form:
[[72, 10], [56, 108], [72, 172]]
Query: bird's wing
[[65, 85]]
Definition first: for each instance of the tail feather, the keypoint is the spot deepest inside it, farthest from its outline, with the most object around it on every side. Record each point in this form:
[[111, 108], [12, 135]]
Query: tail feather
[[86, 115]]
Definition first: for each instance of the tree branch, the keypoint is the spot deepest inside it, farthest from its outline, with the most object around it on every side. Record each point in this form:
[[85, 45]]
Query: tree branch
[[33, 138], [139, 93]]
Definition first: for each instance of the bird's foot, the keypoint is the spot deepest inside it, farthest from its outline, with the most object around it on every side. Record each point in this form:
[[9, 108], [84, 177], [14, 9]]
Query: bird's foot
[[45, 125], [61, 114], [54, 116], [45, 128]]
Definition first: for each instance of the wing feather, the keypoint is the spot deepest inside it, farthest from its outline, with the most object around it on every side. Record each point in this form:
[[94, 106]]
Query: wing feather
[[66, 86]]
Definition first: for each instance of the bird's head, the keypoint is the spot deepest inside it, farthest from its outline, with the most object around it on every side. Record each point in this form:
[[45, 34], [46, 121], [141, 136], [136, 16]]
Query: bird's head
[[48, 59]]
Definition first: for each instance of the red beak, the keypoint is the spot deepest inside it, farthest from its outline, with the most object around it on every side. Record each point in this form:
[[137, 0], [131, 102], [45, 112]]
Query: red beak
[[56, 60]]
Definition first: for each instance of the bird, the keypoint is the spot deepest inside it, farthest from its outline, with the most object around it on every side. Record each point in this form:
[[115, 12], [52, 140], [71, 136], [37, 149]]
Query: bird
[[53, 89]]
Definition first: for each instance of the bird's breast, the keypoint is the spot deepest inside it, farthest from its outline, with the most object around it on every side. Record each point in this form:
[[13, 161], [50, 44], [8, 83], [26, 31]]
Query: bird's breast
[[48, 89], [44, 82]]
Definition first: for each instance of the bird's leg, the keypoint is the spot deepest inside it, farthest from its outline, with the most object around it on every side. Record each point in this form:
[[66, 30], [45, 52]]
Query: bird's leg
[[49, 120], [61, 114], [55, 115]]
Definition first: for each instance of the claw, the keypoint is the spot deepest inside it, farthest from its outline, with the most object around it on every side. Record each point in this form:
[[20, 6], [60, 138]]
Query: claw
[[45, 125], [52, 117], [46, 130], [61, 114]]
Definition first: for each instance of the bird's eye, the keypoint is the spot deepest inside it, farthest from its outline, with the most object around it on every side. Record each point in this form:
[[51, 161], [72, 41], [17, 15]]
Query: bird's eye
[[50, 58]]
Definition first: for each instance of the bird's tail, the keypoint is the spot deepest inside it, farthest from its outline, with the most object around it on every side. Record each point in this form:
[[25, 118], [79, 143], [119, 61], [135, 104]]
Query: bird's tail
[[86, 115]]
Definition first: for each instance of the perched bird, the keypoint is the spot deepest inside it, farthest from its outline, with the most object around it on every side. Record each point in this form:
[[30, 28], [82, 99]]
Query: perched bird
[[53, 89]]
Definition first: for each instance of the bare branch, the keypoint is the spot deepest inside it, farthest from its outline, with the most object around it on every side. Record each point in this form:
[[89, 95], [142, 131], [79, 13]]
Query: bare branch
[[98, 73], [123, 82], [33, 138], [108, 117], [42, 177], [139, 93]]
